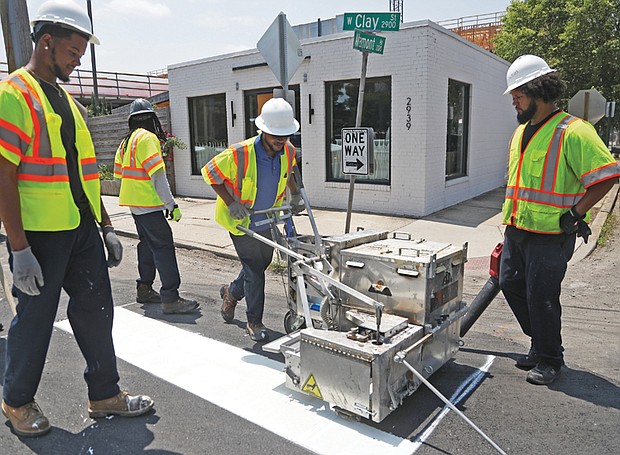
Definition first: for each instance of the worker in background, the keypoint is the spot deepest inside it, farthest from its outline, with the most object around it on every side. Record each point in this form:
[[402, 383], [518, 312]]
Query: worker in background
[[145, 189], [558, 169], [251, 176], [49, 204]]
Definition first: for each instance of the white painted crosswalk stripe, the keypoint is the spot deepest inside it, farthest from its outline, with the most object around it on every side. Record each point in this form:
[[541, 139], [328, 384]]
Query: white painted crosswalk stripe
[[246, 384]]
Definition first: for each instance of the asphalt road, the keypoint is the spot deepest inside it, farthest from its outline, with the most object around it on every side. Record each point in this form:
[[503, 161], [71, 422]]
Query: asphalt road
[[580, 413]]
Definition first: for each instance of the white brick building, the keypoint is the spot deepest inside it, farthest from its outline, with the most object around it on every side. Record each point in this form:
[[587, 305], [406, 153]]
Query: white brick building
[[453, 148]]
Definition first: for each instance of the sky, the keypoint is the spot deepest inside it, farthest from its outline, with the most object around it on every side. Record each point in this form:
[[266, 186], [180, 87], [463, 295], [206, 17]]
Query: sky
[[139, 36]]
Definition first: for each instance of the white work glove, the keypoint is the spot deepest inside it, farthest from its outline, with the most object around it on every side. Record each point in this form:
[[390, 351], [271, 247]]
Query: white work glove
[[113, 245], [238, 211], [27, 273], [297, 204]]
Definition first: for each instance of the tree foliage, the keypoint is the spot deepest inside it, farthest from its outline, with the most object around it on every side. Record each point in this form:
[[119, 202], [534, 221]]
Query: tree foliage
[[580, 38]]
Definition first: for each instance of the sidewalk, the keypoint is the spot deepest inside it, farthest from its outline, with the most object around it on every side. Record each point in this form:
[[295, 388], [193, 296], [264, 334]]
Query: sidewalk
[[477, 221]]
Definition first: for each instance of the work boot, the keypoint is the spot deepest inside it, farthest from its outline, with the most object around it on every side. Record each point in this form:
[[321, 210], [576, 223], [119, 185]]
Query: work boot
[[180, 306], [543, 373], [27, 420], [228, 304], [121, 404], [529, 360], [146, 294], [257, 331]]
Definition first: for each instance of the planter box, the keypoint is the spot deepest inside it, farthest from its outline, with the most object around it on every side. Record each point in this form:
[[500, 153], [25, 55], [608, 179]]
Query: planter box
[[110, 187]]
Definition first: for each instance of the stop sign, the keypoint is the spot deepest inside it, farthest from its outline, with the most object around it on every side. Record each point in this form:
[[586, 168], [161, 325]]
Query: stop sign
[[588, 105]]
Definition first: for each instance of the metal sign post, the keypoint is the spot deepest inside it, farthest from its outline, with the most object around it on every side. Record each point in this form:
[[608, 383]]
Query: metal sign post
[[358, 122], [366, 42]]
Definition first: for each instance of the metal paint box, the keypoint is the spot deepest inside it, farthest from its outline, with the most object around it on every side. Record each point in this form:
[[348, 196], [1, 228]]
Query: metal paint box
[[415, 279]]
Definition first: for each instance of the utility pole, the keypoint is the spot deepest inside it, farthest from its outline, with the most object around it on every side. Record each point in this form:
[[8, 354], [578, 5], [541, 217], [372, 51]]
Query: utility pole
[[93, 61], [16, 30]]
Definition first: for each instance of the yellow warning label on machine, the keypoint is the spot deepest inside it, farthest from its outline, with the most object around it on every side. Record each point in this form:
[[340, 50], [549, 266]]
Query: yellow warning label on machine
[[312, 388]]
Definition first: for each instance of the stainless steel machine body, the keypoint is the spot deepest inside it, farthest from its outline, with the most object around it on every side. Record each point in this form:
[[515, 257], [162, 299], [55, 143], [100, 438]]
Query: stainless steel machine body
[[385, 297]]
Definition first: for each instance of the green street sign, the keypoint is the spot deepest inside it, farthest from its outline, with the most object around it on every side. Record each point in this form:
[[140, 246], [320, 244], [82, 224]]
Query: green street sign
[[369, 43], [384, 22]]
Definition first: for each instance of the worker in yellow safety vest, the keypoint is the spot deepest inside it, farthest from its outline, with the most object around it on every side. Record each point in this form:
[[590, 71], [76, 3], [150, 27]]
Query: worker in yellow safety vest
[[145, 190], [50, 203], [558, 168], [251, 176]]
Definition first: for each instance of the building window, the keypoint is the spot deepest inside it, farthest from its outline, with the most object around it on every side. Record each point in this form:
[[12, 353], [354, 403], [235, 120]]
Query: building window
[[458, 129], [208, 133], [341, 98]]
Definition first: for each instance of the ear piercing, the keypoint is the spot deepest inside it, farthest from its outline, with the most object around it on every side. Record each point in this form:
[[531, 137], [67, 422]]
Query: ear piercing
[[46, 47]]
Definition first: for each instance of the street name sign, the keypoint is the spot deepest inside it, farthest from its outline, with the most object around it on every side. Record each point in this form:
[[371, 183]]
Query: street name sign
[[357, 150], [377, 22], [366, 42]]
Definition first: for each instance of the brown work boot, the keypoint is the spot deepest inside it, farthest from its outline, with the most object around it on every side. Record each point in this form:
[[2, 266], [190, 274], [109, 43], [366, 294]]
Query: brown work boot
[[146, 294], [27, 420], [228, 304], [257, 331], [180, 306], [121, 404]]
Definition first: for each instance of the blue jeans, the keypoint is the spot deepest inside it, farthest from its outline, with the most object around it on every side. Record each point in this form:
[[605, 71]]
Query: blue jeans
[[255, 257], [531, 273], [156, 253], [74, 261]]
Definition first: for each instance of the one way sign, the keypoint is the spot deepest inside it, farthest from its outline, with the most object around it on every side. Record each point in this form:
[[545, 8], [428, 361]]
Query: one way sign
[[357, 150]]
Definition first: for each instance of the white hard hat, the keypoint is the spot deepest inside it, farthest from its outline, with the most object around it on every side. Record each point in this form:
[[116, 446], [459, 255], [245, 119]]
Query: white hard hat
[[67, 14], [524, 69], [276, 118]]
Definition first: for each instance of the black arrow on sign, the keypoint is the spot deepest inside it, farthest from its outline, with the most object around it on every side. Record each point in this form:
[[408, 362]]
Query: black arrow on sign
[[357, 164]]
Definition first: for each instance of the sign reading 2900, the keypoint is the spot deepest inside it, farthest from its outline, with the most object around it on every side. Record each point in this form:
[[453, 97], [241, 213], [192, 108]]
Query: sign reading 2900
[[386, 22]]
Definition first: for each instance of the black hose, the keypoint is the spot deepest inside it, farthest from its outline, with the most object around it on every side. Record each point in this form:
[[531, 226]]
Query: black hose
[[480, 303]]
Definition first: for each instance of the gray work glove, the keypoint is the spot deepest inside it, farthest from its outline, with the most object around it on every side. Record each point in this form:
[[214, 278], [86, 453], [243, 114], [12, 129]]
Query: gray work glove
[[297, 204], [113, 245], [27, 273], [238, 211]]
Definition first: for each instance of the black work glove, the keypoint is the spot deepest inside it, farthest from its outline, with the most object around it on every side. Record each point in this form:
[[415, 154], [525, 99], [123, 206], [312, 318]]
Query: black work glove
[[583, 230], [174, 214], [569, 222]]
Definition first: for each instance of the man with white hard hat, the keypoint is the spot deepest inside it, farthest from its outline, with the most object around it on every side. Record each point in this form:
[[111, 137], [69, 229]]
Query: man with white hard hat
[[253, 175], [558, 169], [50, 205]]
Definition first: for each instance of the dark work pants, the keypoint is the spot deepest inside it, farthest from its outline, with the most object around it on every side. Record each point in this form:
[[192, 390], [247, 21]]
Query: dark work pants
[[255, 257], [74, 261], [531, 273], [156, 252]]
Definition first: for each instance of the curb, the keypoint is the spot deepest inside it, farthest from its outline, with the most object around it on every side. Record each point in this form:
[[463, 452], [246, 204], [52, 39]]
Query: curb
[[186, 246], [606, 207]]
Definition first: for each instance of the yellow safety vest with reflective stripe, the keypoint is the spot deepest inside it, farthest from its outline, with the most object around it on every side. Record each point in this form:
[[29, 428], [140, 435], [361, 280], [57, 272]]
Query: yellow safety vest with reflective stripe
[[30, 138], [136, 160], [235, 167], [563, 158]]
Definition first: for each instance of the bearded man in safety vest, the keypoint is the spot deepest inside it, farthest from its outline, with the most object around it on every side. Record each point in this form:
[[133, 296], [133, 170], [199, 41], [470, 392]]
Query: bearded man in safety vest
[[249, 176], [558, 169], [145, 190], [49, 204]]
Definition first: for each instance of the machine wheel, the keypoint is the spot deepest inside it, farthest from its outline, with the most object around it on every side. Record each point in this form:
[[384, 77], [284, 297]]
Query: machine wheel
[[291, 322]]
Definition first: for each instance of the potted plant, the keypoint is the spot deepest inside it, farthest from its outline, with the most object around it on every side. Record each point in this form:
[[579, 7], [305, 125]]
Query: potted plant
[[109, 186]]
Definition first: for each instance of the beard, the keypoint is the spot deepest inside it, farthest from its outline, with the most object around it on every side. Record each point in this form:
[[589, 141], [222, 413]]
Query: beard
[[57, 71], [527, 114]]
